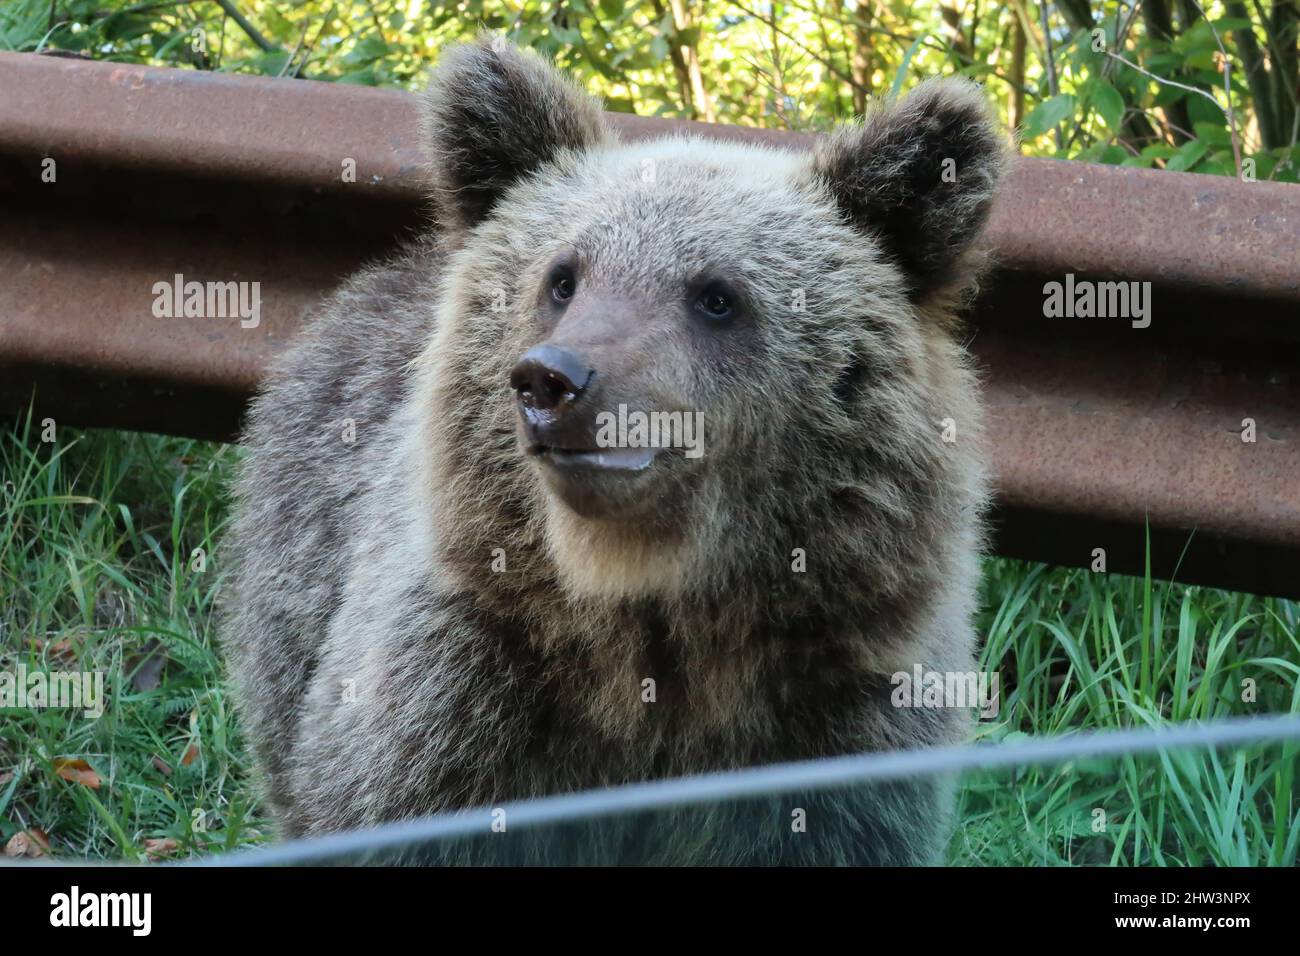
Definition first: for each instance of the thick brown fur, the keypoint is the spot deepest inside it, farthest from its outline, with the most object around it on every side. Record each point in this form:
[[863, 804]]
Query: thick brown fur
[[388, 664]]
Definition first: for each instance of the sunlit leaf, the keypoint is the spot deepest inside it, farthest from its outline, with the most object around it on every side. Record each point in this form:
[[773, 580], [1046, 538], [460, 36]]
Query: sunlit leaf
[[1048, 114], [1109, 104]]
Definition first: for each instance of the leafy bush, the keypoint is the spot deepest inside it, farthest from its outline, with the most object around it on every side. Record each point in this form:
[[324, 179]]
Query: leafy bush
[[1180, 86]]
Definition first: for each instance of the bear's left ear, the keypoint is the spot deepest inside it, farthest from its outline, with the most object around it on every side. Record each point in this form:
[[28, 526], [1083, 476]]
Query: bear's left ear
[[920, 177], [492, 114]]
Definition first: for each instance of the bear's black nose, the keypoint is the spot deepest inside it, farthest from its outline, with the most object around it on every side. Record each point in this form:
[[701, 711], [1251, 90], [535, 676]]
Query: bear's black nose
[[550, 377]]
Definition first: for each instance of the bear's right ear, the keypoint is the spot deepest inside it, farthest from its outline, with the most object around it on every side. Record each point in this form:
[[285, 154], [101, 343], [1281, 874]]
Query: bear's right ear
[[491, 115]]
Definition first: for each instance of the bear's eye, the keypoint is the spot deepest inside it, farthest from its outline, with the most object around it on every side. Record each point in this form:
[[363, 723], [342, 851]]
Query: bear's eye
[[716, 301], [563, 284]]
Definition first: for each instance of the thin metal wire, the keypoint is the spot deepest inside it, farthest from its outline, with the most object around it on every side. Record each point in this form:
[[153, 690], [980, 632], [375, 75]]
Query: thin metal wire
[[762, 781]]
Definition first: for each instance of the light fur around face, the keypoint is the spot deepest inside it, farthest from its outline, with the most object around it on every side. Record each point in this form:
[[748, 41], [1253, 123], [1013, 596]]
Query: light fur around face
[[419, 620]]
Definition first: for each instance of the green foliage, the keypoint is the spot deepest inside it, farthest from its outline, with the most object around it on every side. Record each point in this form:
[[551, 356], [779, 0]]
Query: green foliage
[[1048, 115], [97, 573], [1114, 90], [1082, 651]]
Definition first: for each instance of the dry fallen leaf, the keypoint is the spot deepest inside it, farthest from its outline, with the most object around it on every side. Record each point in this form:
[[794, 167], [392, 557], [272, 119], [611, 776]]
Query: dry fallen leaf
[[163, 766], [31, 843], [64, 650], [157, 849], [76, 770], [191, 754], [18, 845]]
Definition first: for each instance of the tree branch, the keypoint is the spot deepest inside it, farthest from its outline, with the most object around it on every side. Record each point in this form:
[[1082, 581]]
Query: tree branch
[[233, 12]]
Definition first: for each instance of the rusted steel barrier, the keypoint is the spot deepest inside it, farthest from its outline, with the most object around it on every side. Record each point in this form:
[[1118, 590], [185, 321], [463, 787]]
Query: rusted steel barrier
[[1100, 429]]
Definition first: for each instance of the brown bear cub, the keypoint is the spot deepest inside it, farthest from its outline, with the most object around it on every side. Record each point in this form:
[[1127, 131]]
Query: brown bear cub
[[651, 459]]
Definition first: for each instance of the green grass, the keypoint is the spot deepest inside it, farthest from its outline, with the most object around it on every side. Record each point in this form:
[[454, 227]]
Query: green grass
[[97, 549], [96, 546], [1078, 650]]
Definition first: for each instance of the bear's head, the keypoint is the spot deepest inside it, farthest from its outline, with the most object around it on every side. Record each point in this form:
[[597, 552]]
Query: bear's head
[[673, 366]]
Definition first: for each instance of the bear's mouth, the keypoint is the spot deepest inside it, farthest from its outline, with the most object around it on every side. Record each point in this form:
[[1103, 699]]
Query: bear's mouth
[[606, 484], [595, 459]]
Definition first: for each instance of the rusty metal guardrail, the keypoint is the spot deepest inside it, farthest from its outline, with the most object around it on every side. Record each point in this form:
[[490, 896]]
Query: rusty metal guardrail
[[1099, 428]]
